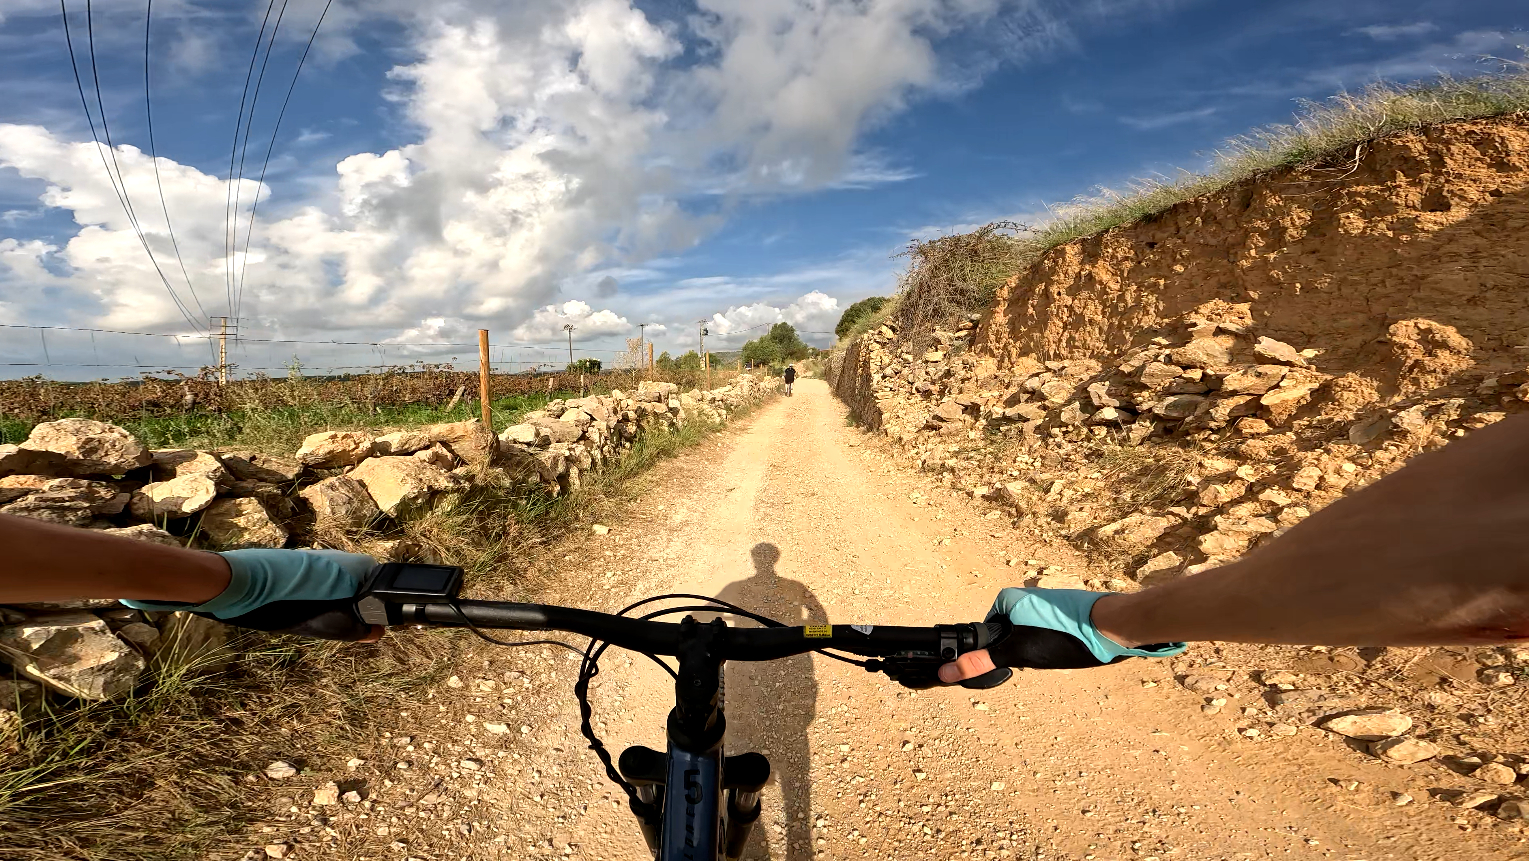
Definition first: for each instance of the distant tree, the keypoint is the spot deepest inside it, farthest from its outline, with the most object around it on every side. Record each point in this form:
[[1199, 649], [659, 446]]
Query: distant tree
[[857, 312], [780, 344], [585, 366], [665, 362], [691, 361]]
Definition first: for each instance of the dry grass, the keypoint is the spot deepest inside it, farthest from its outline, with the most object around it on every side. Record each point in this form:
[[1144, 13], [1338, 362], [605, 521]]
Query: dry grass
[[957, 275]]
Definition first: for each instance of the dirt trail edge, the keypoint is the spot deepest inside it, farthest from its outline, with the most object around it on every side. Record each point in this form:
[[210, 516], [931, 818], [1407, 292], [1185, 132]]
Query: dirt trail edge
[[797, 517]]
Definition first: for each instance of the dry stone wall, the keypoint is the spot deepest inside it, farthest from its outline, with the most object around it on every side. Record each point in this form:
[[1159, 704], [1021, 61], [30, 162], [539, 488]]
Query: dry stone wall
[[94, 475]]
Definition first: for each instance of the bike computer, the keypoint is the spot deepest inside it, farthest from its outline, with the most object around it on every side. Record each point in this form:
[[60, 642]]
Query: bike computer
[[406, 583]]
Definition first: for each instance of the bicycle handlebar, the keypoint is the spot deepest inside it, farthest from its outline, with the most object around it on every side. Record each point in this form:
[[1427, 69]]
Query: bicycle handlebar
[[942, 642]]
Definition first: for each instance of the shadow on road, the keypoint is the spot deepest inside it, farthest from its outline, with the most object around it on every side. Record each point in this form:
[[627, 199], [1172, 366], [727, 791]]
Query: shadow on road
[[771, 704]]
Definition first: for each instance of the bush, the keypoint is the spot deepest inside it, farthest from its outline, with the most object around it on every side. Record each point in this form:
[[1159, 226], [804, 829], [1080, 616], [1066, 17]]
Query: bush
[[858, 311], [585, 366]]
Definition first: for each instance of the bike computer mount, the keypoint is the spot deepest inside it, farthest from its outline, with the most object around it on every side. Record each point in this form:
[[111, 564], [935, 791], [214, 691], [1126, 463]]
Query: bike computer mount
[[393, 583]]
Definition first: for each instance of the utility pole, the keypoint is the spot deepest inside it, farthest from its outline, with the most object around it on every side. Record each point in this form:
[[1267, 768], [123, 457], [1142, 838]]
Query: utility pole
[[568, 327], [223, 350], [642, 342], [704, 362], [650, 355]]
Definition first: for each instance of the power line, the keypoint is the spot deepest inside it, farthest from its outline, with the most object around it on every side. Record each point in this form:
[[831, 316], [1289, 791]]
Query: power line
[[244, 150], [119, 190], [230, 217], [148, 111], [254, 207], [302, 341]]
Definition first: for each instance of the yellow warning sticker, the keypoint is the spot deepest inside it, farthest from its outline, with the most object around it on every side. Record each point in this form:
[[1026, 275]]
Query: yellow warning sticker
[[818, 631]]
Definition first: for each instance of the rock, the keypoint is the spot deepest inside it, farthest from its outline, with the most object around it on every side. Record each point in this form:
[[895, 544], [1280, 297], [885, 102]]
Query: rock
[[1099, 393], [1278, 351], [1178, 406], [401, 486], [341, 502], [1162, 563], [178, 497], [1252, 380], [934, 356], [276, 850], [1496, 772], [177, 463], [1473, 800], [1368, 430], [1513, 809], [143, 636], [1217, 495], [89, 447], [1056, 391], [234, 524], [15, 460], [1252, 427], [69, 501], [560, 432], [401, 442], [1306, 478], [351, 797], [1136, 530], [1370, 726], [333, 449], [327, 795], [1111, 416], [280, 770], [1282, 402], [248, 465], [1405, 751], [1026, 412], [1156, 375], [1072, 414], [1058, 581], [193, 644], [1283, 730], [527, 435], [74, 653], [145, 532], [579, 417], [1222, 544], [600, 529], [19, 701], [950, 411], [1202, 353], [1202, 684], [470, 441], [1496, 677], [437, 455]]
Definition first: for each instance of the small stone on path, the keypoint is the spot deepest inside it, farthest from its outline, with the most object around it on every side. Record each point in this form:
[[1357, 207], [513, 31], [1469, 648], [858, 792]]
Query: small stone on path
[[280, 770]]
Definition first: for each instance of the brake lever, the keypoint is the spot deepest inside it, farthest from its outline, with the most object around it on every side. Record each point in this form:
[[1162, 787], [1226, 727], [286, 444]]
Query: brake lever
[[920, 670]]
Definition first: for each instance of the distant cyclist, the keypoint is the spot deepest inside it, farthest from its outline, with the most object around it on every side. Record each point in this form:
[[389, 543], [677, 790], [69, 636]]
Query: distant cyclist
[[790, 378]]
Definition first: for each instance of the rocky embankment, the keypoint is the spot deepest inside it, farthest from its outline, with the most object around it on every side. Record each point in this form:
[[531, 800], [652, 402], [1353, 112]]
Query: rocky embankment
[[1170, 395], [338, 485]]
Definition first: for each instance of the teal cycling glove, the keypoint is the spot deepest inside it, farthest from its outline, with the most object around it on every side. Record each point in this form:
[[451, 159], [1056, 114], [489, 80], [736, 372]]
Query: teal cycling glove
[[1053, 630], [309, 592]]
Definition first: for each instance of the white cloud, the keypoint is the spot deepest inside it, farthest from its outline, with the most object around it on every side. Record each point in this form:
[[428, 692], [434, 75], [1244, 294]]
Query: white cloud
[[812, 312], [1390, 32], [546, 324], [1164, 120], [552, 143]]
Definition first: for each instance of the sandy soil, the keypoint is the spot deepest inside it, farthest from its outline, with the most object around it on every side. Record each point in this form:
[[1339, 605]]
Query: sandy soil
[[801, 517]]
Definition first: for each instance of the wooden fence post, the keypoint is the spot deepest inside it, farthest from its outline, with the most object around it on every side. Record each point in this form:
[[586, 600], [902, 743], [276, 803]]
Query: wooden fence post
[[488, 419]]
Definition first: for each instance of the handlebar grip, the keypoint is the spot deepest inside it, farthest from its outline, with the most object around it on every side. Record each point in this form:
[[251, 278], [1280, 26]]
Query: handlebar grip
[[1041, 649]]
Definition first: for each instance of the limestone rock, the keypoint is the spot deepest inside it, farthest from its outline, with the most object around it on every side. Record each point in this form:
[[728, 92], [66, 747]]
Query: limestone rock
[[1072, 414], [89, 447], [1099, 393], [1253, 380], [1111, 416], [527, 435], [1281, 403], [176, 463], [1137, 530], [1202, 353], [19, 700], [341, 502], [437, 455], [178, 497], [74, 653], [145, 532], [249, 465], [1278, 351], [1156, 375], [15, 460], [560, 432], [234, 524], [1162, 563], [948, 412], [470, 441], [1369, 726], [401, 442], [69, 501], [1056, 391], [1025, 412], [1496, 772], [141, 635], [401, 486], [1403, 750], [332, 449], [1513, 809], [1222, 544], [193, 643], [1178, 406]]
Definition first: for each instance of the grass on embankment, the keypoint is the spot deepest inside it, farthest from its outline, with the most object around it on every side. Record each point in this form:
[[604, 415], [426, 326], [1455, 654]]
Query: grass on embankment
[[959, 274], [161, 776]]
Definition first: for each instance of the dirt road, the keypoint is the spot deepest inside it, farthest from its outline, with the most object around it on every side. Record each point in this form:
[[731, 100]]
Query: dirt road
[[800, 517]]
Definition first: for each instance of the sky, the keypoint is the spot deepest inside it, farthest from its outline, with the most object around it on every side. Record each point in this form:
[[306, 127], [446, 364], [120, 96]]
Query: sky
[[520, 167]]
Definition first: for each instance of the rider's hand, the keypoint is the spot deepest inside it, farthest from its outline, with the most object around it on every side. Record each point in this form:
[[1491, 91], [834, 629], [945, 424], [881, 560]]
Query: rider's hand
[[1053, 630], [307, 592]]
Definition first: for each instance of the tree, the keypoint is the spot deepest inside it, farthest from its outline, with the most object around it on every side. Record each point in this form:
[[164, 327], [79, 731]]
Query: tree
[[780, 344], [857, 312], [585, 366], [665, 362], [691, 361]]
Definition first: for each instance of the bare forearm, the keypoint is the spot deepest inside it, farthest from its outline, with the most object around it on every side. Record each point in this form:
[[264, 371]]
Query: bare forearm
[[45, 562], [1437, 553]]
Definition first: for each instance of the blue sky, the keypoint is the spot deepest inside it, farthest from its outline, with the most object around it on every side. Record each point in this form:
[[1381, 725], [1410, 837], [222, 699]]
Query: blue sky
[[522, 166]]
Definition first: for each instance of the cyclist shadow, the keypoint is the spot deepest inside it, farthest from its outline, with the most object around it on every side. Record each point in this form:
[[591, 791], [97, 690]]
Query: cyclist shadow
[[771, 704]]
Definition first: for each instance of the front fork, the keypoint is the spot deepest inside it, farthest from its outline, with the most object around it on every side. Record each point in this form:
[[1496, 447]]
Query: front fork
[[678, 793]]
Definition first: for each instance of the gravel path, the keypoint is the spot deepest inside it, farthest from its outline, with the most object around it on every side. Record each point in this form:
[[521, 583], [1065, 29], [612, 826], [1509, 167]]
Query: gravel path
[[801, 517]]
